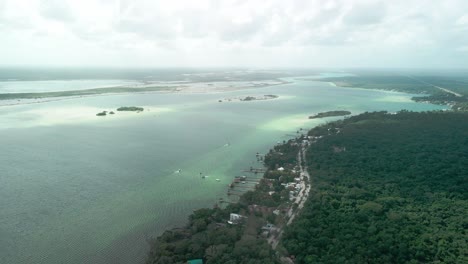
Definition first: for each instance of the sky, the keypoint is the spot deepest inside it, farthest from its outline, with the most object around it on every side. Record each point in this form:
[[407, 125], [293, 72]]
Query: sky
[[235, 33]]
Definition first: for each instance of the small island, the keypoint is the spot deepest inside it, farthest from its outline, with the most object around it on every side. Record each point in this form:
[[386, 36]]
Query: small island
[[251, 98], [130, 108], [121, 109], [330, 113], [265, 97]]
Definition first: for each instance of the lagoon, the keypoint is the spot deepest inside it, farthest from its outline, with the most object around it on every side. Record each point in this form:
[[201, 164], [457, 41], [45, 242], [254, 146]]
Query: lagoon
[[77, 188]]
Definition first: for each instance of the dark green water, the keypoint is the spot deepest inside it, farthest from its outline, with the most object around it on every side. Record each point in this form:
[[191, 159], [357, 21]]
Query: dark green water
[[76, 188]]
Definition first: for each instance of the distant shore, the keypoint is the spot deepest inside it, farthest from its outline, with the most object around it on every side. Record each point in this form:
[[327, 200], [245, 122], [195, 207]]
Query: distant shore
[[12, 99]]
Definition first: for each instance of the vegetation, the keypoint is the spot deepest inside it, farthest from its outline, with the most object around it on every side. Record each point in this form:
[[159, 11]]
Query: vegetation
[[130, 108], [386, 189], [249, 98], [284, 155], [87, 92], [458, 103], [330, 113], [432, 85], [383, 82], [208, 236], [265, 97], [457, 83], [103, 113]]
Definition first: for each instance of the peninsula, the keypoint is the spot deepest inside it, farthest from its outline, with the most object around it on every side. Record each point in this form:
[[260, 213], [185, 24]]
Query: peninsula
[[432, 89], [86, 92]]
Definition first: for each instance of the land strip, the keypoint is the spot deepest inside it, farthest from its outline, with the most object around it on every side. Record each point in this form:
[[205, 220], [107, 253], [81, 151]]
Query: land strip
[[438, 87]]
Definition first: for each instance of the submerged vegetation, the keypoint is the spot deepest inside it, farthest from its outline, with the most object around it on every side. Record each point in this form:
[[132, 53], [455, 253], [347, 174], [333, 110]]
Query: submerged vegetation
[[386, 189], [210, 237]]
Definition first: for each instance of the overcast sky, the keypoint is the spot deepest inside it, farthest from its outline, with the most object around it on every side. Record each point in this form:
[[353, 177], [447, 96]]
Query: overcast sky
[[276, 33]]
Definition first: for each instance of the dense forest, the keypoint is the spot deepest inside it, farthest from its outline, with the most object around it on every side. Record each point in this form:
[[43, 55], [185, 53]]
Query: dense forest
[[207, 236], [386, 189]]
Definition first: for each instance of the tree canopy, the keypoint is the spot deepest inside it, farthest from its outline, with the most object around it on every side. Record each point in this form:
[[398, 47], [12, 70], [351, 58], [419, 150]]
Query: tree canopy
[[396, 192]]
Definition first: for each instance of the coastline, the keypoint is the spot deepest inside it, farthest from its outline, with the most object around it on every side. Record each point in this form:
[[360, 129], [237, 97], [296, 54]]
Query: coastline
[[255, 220], [443, 96], [279, 122], [272, 213], [13, 99]]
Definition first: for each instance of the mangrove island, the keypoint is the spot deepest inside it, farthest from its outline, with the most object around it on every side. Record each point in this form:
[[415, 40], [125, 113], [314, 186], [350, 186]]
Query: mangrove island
[[130, 108], [330, 113]]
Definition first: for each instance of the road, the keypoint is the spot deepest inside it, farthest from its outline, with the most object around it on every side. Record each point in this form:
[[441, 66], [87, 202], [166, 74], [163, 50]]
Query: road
[[300, 199], [438, 87]]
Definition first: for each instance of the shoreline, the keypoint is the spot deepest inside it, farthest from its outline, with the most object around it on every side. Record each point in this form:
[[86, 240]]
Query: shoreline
[[88, 93], [459, 102], [250, 211]]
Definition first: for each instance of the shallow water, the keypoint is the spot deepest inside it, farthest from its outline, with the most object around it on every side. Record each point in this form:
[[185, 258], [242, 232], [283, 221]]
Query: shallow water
[[77, 188]]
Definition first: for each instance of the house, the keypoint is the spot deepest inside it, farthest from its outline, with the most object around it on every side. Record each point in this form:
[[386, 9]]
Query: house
[[268, 226], [234, 219], [280, 169]]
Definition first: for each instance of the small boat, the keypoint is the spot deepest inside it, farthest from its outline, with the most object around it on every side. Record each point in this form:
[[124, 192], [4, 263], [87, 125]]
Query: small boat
[[217, 179], [178, 171]]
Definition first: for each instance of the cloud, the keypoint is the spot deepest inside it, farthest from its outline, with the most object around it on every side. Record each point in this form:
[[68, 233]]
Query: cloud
[[209, 32], [463, 20], [241, 31], [56, 9], [366, 13]]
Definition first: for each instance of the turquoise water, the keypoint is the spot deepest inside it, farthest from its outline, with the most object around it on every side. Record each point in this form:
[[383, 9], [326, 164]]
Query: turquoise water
[[76, 188]]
